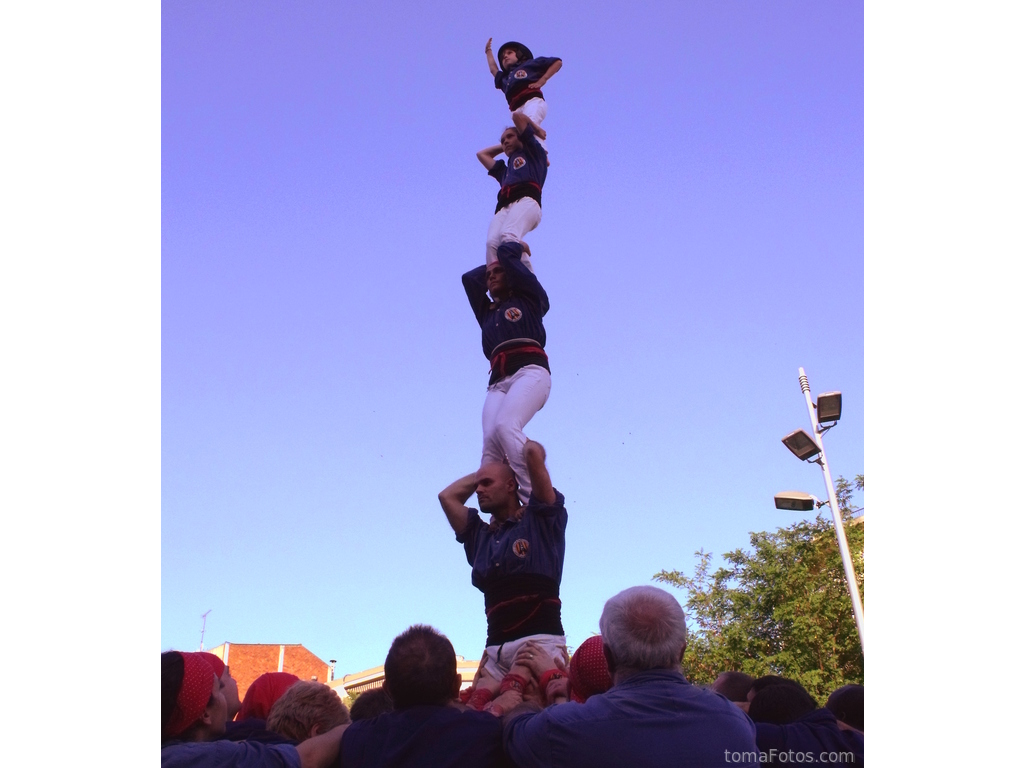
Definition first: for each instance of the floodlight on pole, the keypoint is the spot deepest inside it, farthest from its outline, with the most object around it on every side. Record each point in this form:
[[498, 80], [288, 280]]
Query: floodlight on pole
[[829, 407], [802, 445], [832, 402], [797, 501]]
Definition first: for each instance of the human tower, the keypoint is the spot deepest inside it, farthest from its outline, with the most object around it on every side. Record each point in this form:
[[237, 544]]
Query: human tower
[[517, 557]]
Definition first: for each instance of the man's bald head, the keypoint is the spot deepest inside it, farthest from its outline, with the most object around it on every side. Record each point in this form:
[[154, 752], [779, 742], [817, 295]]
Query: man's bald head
[[496, 489], [499, 469]]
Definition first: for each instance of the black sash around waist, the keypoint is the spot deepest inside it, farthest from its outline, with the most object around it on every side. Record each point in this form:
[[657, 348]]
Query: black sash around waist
[[517, 606]]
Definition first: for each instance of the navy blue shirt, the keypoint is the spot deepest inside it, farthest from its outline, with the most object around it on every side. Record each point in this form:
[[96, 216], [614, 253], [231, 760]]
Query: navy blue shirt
[[520, 77], [816, 736], [228, 754], [524, 173], [440, 737], [518, 567], [534, 544], [253, 729], [653, 719], [520, 316]]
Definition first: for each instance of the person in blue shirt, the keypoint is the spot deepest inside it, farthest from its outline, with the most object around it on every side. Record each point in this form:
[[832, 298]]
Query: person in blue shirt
[[791, 728], [520, 77], [516, 562], [521, 179], [847, 704], [512, 333], [651, 717], [426, 727]]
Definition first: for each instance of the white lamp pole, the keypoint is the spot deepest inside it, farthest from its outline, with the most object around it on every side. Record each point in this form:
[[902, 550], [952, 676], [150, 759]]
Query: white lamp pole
[[837, 517]]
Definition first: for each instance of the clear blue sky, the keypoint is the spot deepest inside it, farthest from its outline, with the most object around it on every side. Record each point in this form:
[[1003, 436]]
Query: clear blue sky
[[322, 379]]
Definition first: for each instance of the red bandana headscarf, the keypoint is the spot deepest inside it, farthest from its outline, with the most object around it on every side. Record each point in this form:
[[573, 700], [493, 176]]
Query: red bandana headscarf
[[216, 663], [264, 691], [588, 670], [196, 688]]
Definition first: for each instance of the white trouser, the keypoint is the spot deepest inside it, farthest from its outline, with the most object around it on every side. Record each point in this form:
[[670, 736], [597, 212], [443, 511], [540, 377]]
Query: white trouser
[[536, 110], [508, 407], [497, 660], [510, 224]]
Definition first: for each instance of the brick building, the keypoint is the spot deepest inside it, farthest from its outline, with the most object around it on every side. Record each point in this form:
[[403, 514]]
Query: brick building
[[368, 679], [250, 660]]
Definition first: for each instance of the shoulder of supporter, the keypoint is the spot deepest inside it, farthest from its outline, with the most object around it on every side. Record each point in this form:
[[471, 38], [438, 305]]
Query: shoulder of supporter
[[547, 510], [229, 754], [526, 736], [253, 729], [531, 144]]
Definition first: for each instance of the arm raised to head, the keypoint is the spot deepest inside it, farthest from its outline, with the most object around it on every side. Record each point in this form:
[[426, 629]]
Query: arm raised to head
[[522, 122], [543, 490], [486, 156], [453, 501]]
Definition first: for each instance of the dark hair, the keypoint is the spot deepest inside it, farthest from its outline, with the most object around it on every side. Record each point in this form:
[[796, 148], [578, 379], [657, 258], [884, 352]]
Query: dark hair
[[769, 680], [847, 704], [733, 685], [781, 703], [420, 668], [371, 703], [172, 675]]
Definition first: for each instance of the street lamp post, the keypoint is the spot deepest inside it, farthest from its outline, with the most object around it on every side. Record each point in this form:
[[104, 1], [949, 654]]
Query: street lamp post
[[202, 632], [834, 402]]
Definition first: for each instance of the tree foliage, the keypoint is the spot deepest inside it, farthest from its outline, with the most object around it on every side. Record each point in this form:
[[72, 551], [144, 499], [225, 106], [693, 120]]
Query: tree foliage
[[782, 608]]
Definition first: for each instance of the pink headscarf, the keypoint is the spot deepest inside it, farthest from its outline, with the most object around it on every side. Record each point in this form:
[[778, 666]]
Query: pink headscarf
[[196, 688], [588, 670], [264, 691]]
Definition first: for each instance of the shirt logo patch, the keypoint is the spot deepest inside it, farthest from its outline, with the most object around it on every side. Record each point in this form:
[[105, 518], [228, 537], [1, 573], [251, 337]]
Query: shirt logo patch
[[513, 314], [519, 162], [520, 548], [520, 74]]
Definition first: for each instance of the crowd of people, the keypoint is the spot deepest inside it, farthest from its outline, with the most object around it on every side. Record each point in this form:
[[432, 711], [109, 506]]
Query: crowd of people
[[620, 700]]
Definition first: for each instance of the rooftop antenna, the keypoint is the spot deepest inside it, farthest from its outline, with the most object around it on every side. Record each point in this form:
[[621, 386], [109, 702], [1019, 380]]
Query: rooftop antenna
[[203, 631]]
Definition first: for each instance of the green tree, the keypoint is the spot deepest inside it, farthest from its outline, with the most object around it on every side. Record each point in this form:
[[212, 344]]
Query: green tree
[[782, 608]]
